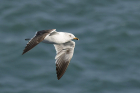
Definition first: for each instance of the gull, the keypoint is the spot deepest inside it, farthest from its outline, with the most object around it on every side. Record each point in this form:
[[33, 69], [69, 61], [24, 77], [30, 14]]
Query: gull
[[63, 44]]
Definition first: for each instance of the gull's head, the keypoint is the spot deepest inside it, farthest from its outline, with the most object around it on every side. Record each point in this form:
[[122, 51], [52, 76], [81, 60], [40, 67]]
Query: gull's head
[[73, 37]]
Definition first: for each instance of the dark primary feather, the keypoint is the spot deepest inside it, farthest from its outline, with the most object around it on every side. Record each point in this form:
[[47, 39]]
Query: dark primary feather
[[39, 37], [63, 57], [61, 65]]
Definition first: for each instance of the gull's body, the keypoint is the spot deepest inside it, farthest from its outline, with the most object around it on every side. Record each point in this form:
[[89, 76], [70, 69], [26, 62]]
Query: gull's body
[[63, 44]]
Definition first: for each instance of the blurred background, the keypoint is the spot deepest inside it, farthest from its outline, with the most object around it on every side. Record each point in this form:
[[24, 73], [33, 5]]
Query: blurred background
[[106, 58]]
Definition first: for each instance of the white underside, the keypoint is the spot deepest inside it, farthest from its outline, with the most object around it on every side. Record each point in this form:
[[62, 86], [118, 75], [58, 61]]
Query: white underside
[[59, 38]]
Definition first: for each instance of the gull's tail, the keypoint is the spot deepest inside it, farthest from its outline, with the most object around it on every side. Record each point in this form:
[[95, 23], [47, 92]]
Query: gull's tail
[[27, 39]]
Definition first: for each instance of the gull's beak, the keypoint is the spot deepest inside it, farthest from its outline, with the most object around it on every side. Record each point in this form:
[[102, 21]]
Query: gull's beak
[[76, 38]]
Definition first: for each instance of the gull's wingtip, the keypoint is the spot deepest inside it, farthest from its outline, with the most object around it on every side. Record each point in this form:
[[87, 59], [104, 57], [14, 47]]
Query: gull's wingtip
[[22, 53], [58, 78]]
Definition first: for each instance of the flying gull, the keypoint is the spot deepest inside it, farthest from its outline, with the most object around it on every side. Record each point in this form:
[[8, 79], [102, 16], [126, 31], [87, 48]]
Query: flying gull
[[63, 44]]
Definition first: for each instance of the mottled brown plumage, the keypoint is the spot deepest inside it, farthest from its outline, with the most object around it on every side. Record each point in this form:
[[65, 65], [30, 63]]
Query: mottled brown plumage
[[39, 37]]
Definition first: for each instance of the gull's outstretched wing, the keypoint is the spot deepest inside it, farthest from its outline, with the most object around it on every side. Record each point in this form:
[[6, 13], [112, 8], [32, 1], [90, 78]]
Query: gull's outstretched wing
[[64, 54], [39, 37]]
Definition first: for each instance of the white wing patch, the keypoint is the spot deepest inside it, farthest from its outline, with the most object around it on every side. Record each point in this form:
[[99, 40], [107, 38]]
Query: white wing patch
[[64, 54]]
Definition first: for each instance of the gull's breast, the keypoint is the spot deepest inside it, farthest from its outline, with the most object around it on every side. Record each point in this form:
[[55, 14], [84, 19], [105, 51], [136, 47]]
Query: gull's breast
[[54, 39]]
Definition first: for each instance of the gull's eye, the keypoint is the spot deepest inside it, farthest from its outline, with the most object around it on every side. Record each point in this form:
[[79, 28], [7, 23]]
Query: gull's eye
[[70, 35]]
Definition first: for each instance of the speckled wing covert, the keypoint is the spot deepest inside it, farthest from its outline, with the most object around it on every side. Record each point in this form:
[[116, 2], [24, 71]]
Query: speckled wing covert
[[64, 54], [39, 37]]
